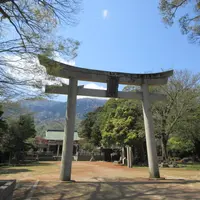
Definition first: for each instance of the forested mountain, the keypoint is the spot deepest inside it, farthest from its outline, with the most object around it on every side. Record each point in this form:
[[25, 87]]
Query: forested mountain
[[50, 114], [46, 109]]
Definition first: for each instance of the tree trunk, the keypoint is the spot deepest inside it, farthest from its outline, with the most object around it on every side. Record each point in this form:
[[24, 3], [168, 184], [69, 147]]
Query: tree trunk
[[164, 147], [142, 152], [92, 157], [10, 158], [197, 148]]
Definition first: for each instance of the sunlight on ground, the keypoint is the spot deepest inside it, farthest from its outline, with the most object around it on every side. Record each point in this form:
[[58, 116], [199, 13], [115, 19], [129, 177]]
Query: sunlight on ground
[[101, 180]]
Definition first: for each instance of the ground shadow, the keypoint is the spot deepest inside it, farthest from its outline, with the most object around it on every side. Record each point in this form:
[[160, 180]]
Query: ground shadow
[[110, 190], [146, 182], [39, 164], [26, 163], [12, 170]]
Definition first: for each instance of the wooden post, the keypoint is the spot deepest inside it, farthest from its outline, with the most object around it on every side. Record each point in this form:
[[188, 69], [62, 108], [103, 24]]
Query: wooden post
[[149, 132], [129, 157], [48, 148], [123, 155], [67, 151], [58, 150]]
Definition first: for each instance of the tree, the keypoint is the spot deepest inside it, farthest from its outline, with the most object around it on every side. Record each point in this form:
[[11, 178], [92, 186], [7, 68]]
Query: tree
[[176, 118], [89, 127], [124, 126], [179, 146], [16, 139], [188, 132], [33, 26], [182, 93], [34, 23], [189, 21], [117, 123], [88, 147], [3, 123]]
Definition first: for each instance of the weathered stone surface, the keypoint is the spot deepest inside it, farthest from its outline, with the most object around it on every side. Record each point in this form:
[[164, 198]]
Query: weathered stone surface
[[149, 134], [6, 189], [67, 71]]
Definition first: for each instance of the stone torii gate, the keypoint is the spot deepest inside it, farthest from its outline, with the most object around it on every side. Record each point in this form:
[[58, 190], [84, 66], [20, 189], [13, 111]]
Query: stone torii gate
[[113, 79]]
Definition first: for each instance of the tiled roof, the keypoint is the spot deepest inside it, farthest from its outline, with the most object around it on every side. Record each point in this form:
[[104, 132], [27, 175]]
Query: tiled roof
[[58, 135]]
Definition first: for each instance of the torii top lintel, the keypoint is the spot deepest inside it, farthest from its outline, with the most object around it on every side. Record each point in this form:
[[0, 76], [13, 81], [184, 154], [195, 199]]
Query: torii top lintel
[[67, 71]]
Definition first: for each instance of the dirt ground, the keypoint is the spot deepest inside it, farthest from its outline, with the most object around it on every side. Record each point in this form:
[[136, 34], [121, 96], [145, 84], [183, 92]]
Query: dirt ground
[[101, 180]]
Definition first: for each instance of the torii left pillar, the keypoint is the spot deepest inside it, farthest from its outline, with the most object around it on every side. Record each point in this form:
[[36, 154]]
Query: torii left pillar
[[66, 163], [149, 132]]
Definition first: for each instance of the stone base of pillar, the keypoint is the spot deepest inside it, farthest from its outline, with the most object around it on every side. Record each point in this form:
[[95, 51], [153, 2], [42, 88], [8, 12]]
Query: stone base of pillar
[[154, 179]]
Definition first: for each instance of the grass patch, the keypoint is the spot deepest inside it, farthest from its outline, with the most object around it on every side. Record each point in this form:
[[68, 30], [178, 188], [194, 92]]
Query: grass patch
[[195, 166], [13, 171], [188, 166], [36, 168]]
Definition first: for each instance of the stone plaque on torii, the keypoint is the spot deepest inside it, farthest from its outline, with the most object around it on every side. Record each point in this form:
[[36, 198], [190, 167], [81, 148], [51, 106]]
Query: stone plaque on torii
[[113, 79]]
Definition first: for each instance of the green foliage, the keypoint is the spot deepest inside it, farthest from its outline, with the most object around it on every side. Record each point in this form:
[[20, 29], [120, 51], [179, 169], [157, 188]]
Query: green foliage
[[3, 123], [176, 120], [180, 145], [182, 92], [118, 122], [18, 136], [123, 125], [189, 129], [90, 127], [87, 146]]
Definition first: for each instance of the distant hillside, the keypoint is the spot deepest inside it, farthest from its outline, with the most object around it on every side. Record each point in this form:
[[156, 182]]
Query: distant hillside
[[51, 114], [46, 109]]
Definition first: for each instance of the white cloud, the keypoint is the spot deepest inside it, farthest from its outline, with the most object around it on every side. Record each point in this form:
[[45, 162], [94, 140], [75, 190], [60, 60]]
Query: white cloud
[[92, 86], [30, 68], [63, 80], [63, 60], [24, 68], [105, 14]]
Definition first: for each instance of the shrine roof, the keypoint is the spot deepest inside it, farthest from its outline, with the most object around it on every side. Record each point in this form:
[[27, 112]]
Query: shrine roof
[[58, 135]]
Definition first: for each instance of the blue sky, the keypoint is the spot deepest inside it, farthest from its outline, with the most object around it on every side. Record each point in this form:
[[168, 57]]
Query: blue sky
[[132, 38], [129, 36]]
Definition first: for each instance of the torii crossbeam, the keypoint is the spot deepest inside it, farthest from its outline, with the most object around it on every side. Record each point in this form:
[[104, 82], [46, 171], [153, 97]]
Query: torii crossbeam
[[113, 79]]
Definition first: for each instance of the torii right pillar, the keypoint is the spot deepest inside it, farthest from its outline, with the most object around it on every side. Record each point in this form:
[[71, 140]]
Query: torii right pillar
[[149, 133]]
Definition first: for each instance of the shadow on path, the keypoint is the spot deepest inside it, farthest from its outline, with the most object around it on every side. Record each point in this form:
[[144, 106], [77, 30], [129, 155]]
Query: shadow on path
[[12, 170], [110, 190]]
